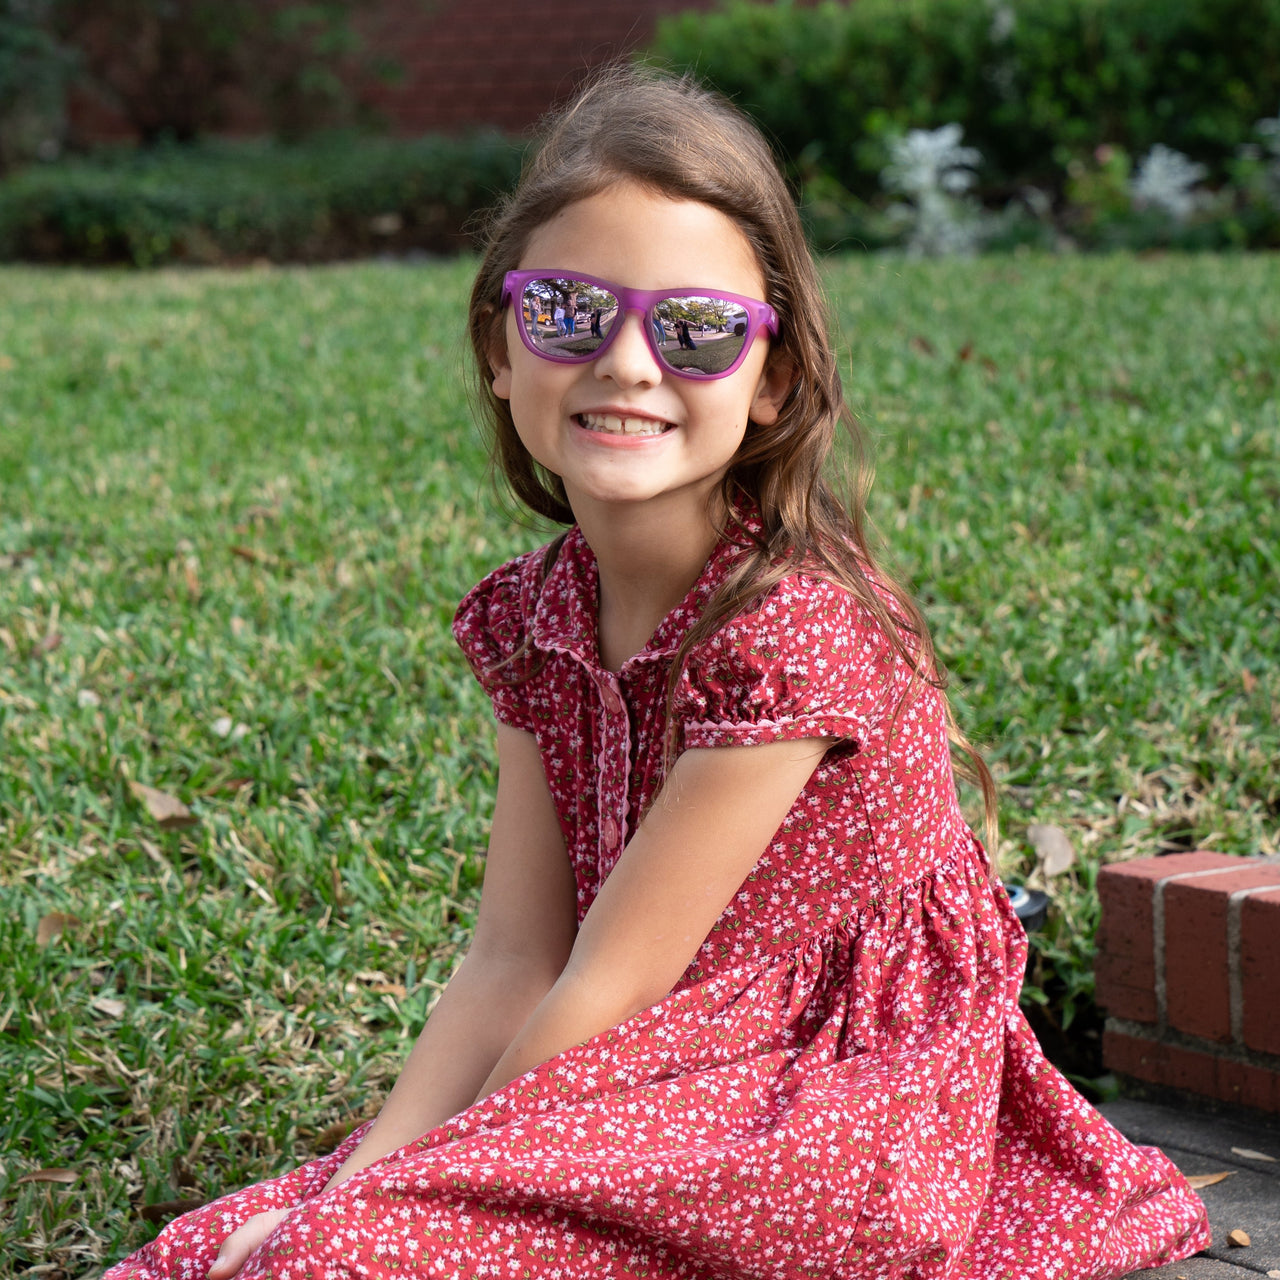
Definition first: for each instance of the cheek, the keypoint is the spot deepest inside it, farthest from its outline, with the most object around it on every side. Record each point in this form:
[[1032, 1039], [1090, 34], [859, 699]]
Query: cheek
[[535, 418]]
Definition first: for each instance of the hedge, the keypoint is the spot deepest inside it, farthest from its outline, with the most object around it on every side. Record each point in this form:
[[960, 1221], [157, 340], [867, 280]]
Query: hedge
[[1034, 83], [338, 196]]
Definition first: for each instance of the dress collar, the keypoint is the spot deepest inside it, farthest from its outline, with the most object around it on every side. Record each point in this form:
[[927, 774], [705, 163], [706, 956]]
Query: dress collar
[[566, 617]]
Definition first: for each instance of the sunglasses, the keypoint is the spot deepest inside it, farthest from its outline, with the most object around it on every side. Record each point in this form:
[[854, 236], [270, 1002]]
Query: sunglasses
[[693, 333]]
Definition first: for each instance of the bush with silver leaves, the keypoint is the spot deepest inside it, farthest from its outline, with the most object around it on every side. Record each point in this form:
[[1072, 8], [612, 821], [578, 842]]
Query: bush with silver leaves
[[936, 175], [1166, 180]]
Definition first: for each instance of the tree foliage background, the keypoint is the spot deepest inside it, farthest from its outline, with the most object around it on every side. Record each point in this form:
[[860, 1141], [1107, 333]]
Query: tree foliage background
[[177, 69]]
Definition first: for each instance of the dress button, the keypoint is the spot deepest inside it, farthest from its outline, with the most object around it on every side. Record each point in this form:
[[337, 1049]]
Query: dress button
[[612, 702], [609, 830]]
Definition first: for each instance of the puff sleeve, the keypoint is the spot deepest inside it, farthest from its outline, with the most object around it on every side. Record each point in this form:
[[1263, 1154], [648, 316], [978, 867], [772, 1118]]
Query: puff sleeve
[[491, 628], [810, 661]]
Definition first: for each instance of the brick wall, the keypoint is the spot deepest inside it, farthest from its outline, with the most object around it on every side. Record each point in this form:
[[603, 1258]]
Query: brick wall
[[1188, 969], [499, 62]]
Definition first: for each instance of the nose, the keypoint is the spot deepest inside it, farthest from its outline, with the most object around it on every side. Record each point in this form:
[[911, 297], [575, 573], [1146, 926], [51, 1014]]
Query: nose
[[629, 360]]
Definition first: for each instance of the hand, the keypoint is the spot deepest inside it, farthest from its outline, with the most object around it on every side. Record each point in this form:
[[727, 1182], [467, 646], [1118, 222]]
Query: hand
[[238, 1247]]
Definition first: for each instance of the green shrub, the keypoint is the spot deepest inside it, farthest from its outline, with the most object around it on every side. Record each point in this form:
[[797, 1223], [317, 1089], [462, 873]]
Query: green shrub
[[1034, 83], [335, 196]]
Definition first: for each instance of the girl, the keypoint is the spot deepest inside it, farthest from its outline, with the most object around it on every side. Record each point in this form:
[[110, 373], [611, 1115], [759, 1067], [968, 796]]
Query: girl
[[742, 999]]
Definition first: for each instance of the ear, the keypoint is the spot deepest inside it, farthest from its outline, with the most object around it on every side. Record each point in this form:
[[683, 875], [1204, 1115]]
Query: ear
[[501, 376], [775, 385], [499, 361]]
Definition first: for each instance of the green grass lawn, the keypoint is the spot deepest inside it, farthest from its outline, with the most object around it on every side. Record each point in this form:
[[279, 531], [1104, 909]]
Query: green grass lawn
[[236, 513]]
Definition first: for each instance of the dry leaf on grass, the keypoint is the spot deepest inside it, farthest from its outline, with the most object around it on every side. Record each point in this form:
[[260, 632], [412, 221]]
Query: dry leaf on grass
[[328, 1138], [1053, 848], [48, 1175], [252, 555], [1250, 1154], [1198, 1180], [54, 923], [226, 786], [111, 1007], [167, 810], [163, 1210], [1238, 1239]]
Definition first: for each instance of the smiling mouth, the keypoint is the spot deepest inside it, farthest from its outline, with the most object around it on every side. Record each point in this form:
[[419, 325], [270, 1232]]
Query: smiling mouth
[[613, 425]]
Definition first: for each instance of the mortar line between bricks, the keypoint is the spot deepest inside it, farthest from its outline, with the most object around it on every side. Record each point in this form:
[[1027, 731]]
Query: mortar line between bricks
[[1157, 931], [1235, 975], [1181, 1040]]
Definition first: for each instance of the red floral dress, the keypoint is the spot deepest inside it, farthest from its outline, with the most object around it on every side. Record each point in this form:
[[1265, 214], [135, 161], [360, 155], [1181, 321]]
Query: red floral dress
[[840, 1085]]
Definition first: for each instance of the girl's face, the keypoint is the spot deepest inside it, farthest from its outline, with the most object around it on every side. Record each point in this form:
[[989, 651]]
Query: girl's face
[[571, 418]]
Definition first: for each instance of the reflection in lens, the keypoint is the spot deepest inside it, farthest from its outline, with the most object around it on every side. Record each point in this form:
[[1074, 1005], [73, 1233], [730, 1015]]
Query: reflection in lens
[[567, 318], [708, 332]]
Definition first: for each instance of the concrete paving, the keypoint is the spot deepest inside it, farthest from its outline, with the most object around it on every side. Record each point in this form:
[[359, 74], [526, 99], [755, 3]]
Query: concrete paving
[[1248, 1201]]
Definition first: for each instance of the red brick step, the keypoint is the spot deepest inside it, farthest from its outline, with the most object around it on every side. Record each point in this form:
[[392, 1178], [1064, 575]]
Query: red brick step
[[1188, 968]]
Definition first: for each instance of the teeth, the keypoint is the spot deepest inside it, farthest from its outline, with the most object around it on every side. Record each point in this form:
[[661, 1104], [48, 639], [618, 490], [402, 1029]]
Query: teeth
[[614, 425]]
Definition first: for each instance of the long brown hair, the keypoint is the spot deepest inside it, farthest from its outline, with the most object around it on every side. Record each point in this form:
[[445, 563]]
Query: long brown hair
[[685, 142]]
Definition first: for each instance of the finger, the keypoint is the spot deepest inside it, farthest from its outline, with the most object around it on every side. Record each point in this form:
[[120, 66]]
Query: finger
[[240, 1244], [226, 1264], [235, 1252]]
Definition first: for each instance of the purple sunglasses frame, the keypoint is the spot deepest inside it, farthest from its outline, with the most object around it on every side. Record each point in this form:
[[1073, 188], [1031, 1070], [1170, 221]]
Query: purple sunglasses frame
[[760, 315]]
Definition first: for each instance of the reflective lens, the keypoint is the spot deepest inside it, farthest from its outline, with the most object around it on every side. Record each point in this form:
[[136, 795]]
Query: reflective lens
[[692, 334]]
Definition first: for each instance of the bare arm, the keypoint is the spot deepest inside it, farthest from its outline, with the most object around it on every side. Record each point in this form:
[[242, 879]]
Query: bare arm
[[524, 935], [714, 818]]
